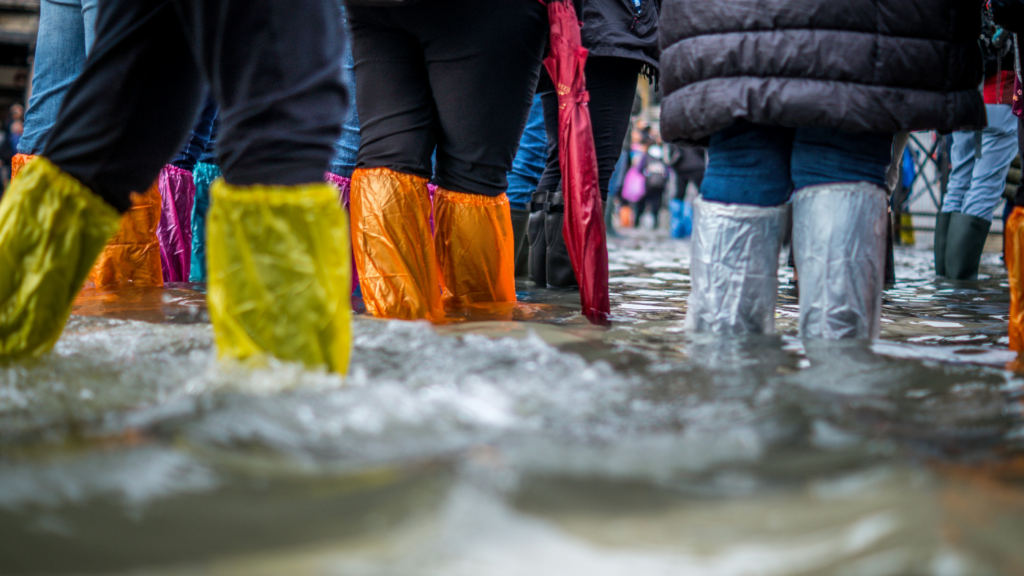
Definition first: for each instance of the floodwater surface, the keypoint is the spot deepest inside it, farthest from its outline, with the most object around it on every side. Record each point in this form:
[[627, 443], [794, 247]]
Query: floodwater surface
[[523, 440]]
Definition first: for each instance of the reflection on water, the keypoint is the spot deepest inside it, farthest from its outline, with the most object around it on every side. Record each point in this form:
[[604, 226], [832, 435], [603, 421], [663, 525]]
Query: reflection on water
[[523, 440]]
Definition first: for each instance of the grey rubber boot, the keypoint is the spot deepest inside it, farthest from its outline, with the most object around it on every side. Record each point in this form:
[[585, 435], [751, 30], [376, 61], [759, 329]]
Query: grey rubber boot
[[538, 243], [941, 232], [559, 272], [965, 241], [734, 268], [520, 221], [839, 232]]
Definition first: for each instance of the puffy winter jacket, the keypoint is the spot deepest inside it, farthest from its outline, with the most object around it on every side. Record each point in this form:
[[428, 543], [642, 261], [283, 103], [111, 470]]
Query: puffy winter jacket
[[854, 65], [613, 28]]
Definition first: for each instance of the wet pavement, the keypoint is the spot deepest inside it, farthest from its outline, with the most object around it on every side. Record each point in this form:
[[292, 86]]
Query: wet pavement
[[523, 440]]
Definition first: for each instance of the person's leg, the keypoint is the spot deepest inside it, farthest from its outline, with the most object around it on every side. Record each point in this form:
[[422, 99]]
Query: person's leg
[[483, 62], [737, 232], [998, 149], [59, 58], [391, 209], [113, 133], [962, 157], [840, 226], [346, 149], [527, 168]]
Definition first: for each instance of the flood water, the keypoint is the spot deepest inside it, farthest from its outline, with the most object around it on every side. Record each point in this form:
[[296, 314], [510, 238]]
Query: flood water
[[525, 441]]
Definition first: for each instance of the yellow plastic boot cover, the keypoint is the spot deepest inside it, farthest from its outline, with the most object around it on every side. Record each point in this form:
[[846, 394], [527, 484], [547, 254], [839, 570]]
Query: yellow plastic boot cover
[[393, 246], [52, 228], [133, 254], [475, 248], [1015, 269], [279, 282]]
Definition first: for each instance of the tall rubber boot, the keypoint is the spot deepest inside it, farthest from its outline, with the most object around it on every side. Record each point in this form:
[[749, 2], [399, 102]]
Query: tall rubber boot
[[734, 265], [393, 245], [52, 228], [520, 221], [558, 266], [839, 232], [1015, 271], [941, 233], [279, 274], [204, 176], [475, 248], [133, 255], [535, 233], [965, 243], [178, 191]]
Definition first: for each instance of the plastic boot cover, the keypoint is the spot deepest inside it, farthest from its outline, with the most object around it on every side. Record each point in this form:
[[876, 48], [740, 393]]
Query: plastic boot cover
[[133, 255], [475, 248], [558, 266], [941, 231], [344, 186], [203, 176], [537, 259], [734, 266], [393, 246], [965, 242], [52, 228], [520, 221], [175, 230], [279, 278], [18, 162], [1015, 268], [839, 233]]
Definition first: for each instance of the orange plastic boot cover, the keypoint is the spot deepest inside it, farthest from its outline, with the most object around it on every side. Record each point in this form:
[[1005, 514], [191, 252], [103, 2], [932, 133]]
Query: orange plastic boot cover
[[393, 246], [475, 248], [133, 255], [1015, 269], [18, 162]]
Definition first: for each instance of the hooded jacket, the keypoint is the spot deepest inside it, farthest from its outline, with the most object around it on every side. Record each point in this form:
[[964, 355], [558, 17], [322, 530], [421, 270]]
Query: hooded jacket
[[853, 65]]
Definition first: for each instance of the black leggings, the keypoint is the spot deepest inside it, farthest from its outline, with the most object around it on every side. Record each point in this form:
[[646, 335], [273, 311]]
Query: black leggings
[[274, 66], [456, 76], [612, 86]]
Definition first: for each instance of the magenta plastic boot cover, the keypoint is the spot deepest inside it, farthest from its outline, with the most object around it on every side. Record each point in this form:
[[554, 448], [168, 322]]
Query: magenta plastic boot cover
[[178, 192]]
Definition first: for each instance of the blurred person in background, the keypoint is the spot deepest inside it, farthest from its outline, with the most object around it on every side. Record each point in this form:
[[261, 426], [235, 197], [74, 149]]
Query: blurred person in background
[[803, 98], [622, 39], [980, 162]]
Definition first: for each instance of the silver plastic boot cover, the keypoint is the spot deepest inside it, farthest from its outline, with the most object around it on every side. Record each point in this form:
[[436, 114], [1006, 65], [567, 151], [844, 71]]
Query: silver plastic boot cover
[[839, 233], [734, 266]]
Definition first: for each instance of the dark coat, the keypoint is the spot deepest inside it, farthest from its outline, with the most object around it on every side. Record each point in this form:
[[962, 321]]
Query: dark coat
[[612, 28], [853, 65]]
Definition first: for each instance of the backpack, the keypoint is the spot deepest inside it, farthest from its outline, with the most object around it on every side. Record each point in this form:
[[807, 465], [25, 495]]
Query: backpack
[[655, 175]]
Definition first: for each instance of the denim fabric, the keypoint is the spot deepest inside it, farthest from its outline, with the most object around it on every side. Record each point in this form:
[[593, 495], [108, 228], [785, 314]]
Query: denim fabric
[[67, 29], [763, 165], [347, 147], [199, 139], [976, 185], [530, 160]]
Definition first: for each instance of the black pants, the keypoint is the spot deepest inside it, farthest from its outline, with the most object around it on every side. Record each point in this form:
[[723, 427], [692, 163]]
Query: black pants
[[652, 201], [612, 86], [457, 76], [274, 67]]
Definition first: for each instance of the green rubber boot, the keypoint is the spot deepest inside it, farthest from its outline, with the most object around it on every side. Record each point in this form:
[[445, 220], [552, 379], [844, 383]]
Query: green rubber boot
[[965, 241], [941, 231], [520, 221]]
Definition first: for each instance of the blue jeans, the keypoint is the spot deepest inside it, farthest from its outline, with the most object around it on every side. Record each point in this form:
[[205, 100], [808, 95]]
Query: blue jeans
[[347, 147], [976, 185], [67, 29], [530, 160], [763, 165]]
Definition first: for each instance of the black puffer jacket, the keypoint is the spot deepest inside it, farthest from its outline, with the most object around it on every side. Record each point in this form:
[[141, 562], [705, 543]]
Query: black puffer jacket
[[854, 65], [613, 28]]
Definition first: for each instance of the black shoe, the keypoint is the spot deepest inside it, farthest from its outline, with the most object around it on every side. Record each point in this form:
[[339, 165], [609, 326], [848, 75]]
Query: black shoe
[[965, 241], [520, 222], [941, 231]]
